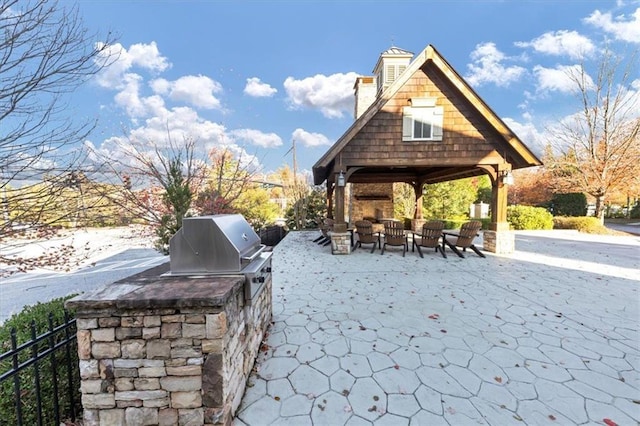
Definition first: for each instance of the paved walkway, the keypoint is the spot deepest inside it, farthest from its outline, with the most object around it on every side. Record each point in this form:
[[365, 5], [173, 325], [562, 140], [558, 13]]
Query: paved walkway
[[548, 335]]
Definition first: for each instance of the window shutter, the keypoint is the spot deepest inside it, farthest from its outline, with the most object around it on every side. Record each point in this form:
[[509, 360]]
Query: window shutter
[[401, 69], [407, 124], [391, 76], [437, 123]]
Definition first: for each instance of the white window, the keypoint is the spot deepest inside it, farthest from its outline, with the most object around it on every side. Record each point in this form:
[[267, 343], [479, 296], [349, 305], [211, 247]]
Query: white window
[[422, 121]]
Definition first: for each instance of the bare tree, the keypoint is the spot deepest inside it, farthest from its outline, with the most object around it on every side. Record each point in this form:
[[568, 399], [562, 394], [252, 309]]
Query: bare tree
[[600, 146], [158, 180], [45, 54]]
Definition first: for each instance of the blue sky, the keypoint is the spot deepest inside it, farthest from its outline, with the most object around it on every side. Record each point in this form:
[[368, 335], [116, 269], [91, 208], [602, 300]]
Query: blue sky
[[256, 75]]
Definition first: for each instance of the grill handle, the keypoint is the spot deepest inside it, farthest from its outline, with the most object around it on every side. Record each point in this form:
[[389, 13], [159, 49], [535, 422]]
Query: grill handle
[[254, 255]]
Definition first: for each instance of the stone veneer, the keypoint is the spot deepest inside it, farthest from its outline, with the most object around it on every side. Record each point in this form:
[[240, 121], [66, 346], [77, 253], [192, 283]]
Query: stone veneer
[[499, 242], [340, 243], [167, 350]]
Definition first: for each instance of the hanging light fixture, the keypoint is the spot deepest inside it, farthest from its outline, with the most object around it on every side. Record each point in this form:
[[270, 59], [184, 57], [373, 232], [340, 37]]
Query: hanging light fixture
[[507, 177], [341, 181]]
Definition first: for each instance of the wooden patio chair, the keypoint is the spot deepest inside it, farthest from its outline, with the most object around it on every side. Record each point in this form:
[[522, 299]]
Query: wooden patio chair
[[364, 229], [429, 237], [325, 228], [464, 238], [394, 236]]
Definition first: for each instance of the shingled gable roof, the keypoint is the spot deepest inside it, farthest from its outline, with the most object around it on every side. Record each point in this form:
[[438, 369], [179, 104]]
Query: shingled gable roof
[[323, 166]]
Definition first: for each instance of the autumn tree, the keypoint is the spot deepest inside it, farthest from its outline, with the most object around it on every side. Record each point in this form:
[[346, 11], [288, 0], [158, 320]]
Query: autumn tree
[[300, 198], [46, 53], [597, 149], [256, 207], [532, 187], [228, 175]]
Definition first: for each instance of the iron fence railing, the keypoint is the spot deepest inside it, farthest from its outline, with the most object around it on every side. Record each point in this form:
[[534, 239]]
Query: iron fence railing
[[40, 378]]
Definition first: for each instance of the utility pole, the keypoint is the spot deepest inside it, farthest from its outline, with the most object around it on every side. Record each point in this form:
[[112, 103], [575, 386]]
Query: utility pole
[[299, 207], [295, 164]]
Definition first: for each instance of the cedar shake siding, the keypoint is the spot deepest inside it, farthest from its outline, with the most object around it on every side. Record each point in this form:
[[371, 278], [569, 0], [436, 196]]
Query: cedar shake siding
[[467, 139]]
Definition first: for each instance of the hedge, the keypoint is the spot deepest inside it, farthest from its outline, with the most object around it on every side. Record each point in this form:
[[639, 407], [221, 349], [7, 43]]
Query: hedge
[[527, 217]]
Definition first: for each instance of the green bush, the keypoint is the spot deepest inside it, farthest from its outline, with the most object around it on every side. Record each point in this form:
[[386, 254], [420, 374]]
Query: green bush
[[527, 217], [590, 225], [635, 211], [38, 316], [572, 204]]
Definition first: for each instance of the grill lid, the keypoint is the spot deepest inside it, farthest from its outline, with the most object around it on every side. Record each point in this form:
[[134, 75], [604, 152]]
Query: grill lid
[[213, 244]]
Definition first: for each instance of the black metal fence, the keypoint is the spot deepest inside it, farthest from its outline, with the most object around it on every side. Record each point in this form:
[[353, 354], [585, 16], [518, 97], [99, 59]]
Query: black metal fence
[[272, 235], [40, 378]]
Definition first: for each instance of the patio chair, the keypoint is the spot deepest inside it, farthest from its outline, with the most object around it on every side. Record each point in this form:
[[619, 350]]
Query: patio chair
[[464, 238], [429, 237], [394, 236], [326, 228], [364, 229]]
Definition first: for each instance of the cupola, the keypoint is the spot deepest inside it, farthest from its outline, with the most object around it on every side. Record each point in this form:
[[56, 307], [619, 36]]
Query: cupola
[[391, 64]]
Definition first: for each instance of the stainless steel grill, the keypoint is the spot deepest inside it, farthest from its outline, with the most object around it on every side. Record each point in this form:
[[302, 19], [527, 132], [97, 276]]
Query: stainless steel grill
[[221, 245]]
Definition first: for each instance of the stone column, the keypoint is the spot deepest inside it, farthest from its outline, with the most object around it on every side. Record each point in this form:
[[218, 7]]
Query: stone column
[[499, 238]]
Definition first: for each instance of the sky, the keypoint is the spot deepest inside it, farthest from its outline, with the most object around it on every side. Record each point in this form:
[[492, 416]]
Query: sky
[[259, 76]]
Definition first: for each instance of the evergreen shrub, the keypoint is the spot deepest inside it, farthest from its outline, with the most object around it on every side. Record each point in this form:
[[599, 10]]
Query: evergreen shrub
[[527, 217]]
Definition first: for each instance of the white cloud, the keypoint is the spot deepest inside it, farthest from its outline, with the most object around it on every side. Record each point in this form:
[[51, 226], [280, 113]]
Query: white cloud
[[119, 61], [129, 96], [256, 137], [560, 79], [561, 43], [332, 95], [197, 90], [529, 135], [178, 123], [310, 139], [148, 56], [487, 67], [258, 89], [173, 126], [621, 27]]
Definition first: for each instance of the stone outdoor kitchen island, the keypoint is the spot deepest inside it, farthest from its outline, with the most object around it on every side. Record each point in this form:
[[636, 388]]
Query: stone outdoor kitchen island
[[167, 350]]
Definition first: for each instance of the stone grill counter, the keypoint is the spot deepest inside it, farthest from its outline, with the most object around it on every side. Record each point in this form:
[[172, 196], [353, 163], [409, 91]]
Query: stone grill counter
[[167, 350]]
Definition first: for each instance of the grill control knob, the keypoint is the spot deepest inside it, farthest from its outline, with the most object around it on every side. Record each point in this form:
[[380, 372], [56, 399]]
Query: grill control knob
[[260, 279], [267, 269]]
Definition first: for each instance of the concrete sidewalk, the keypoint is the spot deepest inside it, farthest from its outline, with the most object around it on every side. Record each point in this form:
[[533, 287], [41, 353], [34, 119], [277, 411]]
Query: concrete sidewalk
[[548, 335]]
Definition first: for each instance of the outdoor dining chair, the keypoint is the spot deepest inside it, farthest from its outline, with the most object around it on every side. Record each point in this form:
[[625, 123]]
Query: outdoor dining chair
[[364, 230], [429, 237], [394, 236], [463, 239]]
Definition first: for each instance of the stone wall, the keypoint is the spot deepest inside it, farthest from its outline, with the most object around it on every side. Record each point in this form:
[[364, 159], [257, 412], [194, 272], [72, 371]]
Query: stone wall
[[167, 350]]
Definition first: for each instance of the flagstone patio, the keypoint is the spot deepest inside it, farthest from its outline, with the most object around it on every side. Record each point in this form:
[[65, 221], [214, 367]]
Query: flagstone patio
[[547, 335]]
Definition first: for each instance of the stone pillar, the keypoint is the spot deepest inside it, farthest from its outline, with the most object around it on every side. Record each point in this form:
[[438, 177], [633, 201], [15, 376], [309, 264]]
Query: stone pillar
[[167, 350], [341, 243], [416, 224], [500, 239]]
